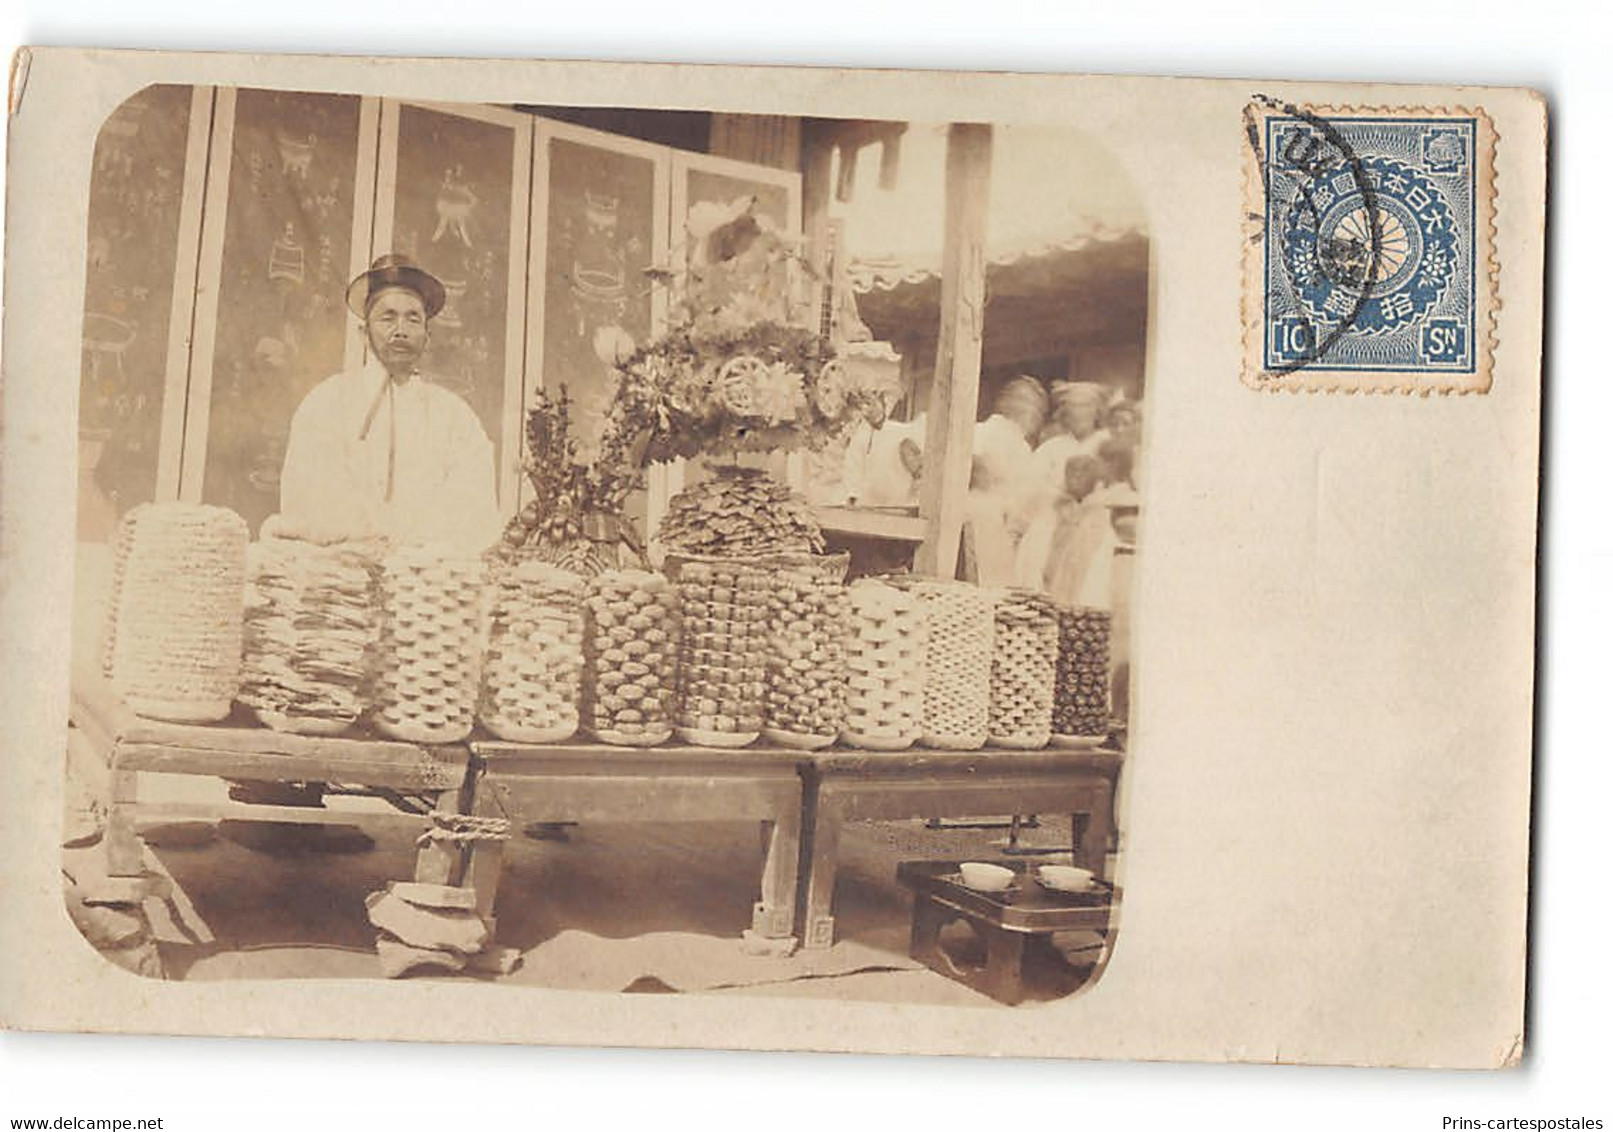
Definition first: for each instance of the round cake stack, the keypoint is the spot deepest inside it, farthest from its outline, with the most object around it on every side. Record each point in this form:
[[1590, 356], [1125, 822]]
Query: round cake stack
[[806, 656], [1081, 690], [959, 629], [722, 607], [311, 628], [630, 657], [428, 666], [174, 622], [1023, 659], [534, 655], [884, 667]]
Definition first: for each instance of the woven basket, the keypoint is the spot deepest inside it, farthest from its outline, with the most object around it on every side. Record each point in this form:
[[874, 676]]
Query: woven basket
[[630, 657], [722, 606], [959, 630], [433, 613], [1023, 660], [174, 622], [533, 667], [884, 667], [806, 654], [310, 636], [1081, 689]]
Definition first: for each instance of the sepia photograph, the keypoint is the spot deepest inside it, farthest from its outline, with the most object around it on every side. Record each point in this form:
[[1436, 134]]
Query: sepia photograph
[[770, 558], [607, 548]]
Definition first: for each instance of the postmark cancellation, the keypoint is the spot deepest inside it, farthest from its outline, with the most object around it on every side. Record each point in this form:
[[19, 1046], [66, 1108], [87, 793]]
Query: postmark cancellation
[[1369, 264]]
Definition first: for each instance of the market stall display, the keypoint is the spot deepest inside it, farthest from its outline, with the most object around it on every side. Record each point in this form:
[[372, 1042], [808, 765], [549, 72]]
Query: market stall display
[[1081, 690], [173, 638], [723, 607], [433, 608], [1024, 655], [310, 635], [630, 653], [959, 631], [884, 666], [806, 653], [531, 674]]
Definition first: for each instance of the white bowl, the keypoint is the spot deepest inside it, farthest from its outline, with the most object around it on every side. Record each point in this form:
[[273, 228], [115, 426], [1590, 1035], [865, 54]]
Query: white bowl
[[986, 878], [1065, 878]]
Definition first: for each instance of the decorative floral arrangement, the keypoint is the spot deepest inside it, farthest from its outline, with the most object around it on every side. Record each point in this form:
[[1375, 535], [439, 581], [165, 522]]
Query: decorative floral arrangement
[[572, 501], [734, 372]]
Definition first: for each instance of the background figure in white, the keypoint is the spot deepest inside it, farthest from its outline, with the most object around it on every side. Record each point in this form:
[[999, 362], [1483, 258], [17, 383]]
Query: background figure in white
[[1063, 540], [884, 461], [381, 451], [1002, 480], [1079, 410], [1003, 453]]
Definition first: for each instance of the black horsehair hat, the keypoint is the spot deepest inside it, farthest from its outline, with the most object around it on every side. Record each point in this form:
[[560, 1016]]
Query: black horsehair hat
[[395, 270]]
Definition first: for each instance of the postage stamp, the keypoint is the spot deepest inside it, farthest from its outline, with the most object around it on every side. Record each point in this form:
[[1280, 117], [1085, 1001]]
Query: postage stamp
[[1370, 263]]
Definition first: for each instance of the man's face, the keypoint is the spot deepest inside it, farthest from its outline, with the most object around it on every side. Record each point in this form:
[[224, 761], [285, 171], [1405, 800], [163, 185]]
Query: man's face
[[396, 325]]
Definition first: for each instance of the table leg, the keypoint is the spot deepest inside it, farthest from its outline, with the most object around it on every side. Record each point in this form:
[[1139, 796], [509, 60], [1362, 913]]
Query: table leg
[[924, 944], [441, 862], [774, 916], [1089, 831], [822, 861], [486, 857], [1005, 966], [124, 856]]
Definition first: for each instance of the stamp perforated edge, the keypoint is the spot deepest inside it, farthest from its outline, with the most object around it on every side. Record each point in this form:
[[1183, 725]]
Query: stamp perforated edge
[[1317, 378]]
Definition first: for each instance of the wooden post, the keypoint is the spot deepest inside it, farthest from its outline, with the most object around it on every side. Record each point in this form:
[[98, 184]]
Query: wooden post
[[955, 388], [817, 161]]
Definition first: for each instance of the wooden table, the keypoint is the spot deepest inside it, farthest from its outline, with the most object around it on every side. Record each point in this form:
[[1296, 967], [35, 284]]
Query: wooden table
[[842, 786], [131, 745], [1007, 921], [591, 782]]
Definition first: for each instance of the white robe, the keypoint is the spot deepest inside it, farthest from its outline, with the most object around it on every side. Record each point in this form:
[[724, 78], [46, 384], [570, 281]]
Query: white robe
[[425, 439]]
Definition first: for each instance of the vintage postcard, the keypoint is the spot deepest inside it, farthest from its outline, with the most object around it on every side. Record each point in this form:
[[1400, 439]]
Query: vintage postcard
[[769, 557]]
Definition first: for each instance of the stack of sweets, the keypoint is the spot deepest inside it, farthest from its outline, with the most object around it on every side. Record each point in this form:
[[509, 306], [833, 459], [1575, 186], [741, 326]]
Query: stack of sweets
[[722, 606], [884, 667], [806, 657], [739, 512], [311, 627], [174, 622], [1023, 659], [630, 657], [432, 624], [534, 655], [1081, 691], [959, 628]]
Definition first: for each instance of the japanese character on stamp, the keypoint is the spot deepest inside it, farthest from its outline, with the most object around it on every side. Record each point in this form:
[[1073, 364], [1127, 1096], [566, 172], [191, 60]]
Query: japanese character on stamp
[[1369, 264]]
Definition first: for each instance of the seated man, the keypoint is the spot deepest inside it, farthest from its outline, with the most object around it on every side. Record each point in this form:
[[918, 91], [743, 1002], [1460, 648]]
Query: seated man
[[378, 452]]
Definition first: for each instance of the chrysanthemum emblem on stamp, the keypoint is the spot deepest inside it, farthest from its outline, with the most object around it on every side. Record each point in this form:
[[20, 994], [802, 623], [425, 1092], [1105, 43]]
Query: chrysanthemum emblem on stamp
[[1370, 262]]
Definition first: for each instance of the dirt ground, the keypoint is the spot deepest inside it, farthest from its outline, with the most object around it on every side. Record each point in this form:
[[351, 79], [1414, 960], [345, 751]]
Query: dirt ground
[[641, 908]]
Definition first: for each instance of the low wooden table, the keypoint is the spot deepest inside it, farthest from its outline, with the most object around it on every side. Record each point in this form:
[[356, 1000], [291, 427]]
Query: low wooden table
[[592, 782], [844, 786], [130, 745], [1007, 921]]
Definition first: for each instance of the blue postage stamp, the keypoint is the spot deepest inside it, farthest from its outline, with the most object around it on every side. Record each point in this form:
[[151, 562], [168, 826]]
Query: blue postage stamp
[[1370, 263]]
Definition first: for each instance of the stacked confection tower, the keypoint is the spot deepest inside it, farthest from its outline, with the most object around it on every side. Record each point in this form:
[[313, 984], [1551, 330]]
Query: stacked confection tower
[[1024, 657], [533, 667], [722, 605], [428, 665], [1081, 691], [806, 657], [630, 643]]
